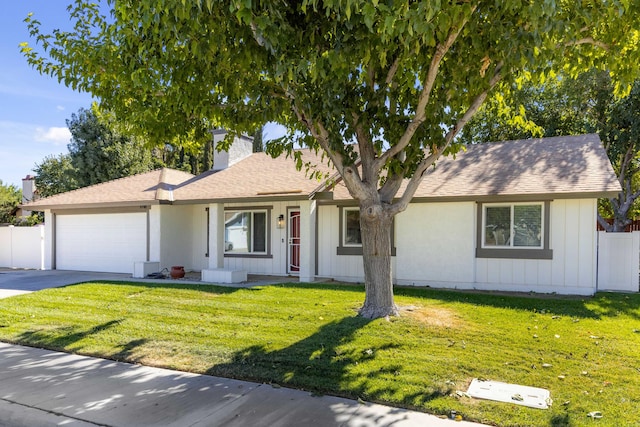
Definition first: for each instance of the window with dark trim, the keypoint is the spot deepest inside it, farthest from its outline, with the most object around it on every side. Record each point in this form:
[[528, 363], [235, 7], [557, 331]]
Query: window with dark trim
[[246, 232], [350, 242], [513, 230], [351, 227]]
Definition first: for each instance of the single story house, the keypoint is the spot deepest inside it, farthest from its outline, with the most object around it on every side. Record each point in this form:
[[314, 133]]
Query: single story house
[[517, 215]]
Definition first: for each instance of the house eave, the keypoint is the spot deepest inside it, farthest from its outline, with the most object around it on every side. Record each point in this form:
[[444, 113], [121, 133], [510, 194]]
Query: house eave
[[93, 206], [488, 198], [255, 199]]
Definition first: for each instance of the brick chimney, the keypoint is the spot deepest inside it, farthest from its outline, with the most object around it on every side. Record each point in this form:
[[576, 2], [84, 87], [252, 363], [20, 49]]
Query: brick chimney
[[28, 192]]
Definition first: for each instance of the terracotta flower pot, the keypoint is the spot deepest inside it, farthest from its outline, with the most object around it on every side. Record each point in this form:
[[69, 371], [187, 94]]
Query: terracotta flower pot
[[177, 272]]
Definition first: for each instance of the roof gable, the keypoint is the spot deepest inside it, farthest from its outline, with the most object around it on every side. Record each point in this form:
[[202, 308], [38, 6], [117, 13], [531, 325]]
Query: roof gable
[[258, 176], [145, 188]]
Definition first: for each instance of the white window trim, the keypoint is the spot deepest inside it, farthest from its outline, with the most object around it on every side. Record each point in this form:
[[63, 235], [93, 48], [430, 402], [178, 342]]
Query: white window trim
[[507, 252], [512, 206], [344, 228]]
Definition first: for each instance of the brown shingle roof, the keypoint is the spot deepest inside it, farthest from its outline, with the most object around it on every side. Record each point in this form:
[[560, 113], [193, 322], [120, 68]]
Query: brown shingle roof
[[259, 176], [147, 188], [564, 167]]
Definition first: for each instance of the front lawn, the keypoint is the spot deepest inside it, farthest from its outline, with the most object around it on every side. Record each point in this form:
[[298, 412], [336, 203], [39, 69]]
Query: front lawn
[[586, 351]]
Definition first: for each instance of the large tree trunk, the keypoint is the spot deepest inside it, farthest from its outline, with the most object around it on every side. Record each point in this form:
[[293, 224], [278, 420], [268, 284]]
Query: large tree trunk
[[620, 206], [375, 228]]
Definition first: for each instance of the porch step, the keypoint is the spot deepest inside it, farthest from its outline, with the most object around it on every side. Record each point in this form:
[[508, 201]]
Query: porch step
[[220, 275]]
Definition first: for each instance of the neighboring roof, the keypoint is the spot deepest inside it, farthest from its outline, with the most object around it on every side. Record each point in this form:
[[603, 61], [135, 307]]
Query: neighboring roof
[[145, 188], [559, 167], [259, 176]]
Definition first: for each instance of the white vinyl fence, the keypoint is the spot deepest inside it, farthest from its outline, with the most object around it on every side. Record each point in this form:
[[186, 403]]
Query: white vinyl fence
[[22, 247], [618, 261]]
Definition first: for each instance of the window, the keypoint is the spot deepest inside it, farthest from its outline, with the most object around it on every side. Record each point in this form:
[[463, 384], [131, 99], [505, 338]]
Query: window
[[351, 223], [514, 230], [245, 232], [513, 226], [350, 236]]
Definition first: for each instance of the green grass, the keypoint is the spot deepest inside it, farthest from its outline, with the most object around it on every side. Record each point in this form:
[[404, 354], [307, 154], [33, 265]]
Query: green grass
[[309, 337]]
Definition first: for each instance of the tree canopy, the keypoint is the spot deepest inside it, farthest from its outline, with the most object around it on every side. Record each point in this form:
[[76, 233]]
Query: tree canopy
[[10, 198], [54, 175], [566, 106], [398, 79], [97, 153]]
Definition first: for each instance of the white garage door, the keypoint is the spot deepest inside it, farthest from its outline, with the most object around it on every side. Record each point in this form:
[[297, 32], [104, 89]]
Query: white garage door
[[101, 242]]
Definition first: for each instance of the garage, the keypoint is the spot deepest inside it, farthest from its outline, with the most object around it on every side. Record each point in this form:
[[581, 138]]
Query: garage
[[106, 242]]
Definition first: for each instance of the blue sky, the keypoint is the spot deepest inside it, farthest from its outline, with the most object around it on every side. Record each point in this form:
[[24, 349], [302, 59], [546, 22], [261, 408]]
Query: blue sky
[[33, 107]]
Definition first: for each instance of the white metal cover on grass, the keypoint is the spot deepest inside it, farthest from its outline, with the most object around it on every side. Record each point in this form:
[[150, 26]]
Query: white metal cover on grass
[[533, 397], [100, 242]]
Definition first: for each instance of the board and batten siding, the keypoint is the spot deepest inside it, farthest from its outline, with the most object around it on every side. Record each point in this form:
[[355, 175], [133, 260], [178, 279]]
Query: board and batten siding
[[346, 268], [435, 246], [176, 223], [199, 237], [573, 267], [276, 263], [178, 236]]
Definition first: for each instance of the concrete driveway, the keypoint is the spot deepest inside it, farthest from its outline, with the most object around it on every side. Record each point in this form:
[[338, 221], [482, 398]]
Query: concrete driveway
[[16, 282]]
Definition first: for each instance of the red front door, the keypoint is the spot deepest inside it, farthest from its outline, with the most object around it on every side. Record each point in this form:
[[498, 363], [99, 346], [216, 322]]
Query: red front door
[[294, 242]]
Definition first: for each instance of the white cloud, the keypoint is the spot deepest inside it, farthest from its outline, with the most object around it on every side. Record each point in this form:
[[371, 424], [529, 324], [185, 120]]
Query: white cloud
[[59, 107], [57, 135]]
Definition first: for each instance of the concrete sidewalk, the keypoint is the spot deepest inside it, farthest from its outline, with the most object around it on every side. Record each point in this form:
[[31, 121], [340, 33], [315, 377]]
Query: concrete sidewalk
[[47, 388]]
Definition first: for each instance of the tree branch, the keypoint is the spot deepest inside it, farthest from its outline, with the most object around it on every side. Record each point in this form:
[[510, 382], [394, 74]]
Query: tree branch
[[414, 183], [367, 155], [371, 75], [417, 177], [589, 40], [390, 188], [348, 173], [427, 87], [318, 131], [604, 224], [392, 71], [626, 162]]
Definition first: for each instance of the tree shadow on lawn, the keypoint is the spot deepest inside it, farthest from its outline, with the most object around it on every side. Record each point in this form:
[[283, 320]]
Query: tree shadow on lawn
[[603, 304], [66, 338], [325, 286], [324, 363], [600, 306], [168, 284], [561, 421]]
